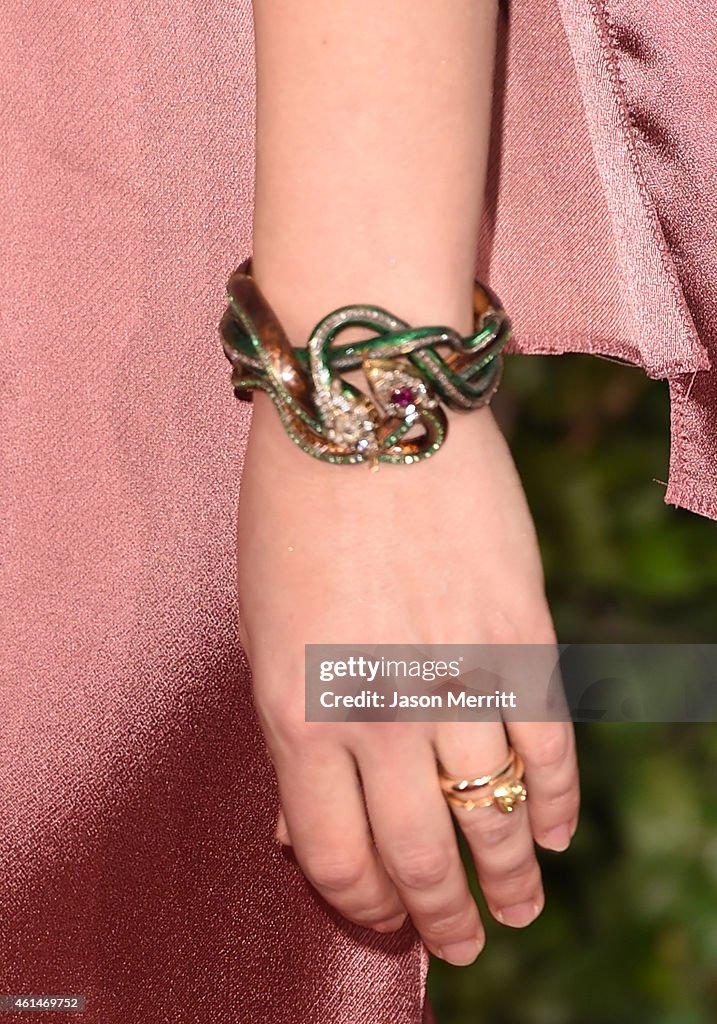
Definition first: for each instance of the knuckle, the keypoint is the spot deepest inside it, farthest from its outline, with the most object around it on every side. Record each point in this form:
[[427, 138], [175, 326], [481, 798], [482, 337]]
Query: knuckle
[[513, 863], [523, 874], [526, 621], [287, 726], [336, 874], [551, 748], [421, 868], [453, 926], [495, 829], [374, 913], [504, 627], [565, 797]]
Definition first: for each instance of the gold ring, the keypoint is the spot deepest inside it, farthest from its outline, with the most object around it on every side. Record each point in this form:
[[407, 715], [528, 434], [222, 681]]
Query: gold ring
[[505, 786], [465, 785]]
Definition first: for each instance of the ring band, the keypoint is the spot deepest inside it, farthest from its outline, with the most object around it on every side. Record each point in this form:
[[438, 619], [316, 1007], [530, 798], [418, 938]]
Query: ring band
[[464, 785], [505, 786]]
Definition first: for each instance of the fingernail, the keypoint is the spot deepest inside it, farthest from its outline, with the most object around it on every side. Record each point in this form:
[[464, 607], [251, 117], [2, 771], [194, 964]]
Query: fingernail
[[282, 836], [558, 839], [461, 953], [392, 924], [519, 914]]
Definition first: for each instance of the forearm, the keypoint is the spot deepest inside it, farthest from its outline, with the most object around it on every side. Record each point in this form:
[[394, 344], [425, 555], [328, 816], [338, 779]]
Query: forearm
[[372, 137]]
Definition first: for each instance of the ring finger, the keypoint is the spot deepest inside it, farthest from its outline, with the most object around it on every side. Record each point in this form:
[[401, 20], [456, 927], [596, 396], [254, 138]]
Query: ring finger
[[501, 843]]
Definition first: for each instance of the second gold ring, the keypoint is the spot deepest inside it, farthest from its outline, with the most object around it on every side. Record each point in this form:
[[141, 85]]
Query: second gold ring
[[503, 788]]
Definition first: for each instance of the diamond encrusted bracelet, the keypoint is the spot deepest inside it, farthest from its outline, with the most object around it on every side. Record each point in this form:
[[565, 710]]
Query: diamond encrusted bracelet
[[409, 372]]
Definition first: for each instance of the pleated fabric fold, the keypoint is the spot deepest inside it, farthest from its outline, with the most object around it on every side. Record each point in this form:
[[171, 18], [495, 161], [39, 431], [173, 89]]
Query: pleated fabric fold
[[600, 226]]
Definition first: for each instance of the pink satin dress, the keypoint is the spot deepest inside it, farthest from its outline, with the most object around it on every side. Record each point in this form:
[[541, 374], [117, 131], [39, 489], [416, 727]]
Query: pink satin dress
[[137, 803]]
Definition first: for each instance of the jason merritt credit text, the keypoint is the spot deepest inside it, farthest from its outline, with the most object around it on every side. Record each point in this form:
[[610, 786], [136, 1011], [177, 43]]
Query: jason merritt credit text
[[376, 699]]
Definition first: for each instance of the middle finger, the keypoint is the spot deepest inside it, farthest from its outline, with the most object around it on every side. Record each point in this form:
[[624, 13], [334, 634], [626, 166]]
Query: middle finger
[[414, 835]]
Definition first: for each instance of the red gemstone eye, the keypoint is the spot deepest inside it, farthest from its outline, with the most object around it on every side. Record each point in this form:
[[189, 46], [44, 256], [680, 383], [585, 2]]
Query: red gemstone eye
[[402, 396]]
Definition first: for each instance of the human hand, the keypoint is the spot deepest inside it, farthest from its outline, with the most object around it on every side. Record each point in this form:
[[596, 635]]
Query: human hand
[[440, 552]]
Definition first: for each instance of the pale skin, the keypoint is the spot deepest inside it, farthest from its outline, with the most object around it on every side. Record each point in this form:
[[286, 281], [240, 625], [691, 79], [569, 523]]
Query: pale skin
[[372, 139]]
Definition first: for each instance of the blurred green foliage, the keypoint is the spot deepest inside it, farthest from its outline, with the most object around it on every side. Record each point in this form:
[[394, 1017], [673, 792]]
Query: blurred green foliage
[[629, 931]]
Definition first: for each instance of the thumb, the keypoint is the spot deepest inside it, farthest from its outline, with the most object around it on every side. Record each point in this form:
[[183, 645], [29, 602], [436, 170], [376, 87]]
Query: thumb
[[281, 832]]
